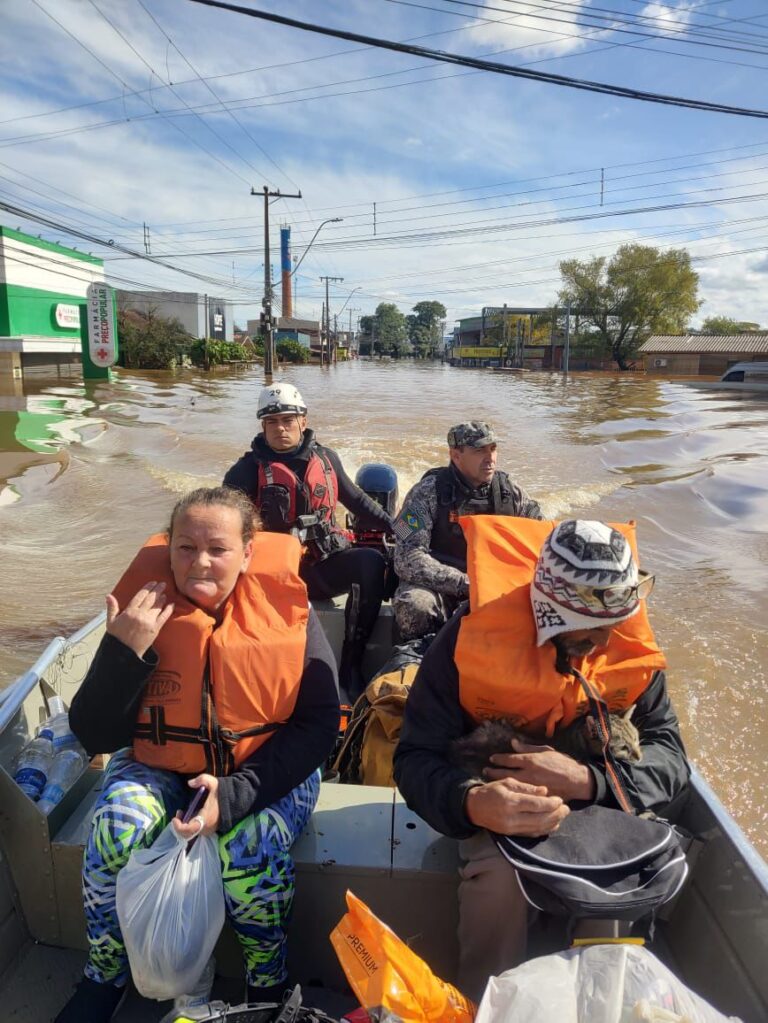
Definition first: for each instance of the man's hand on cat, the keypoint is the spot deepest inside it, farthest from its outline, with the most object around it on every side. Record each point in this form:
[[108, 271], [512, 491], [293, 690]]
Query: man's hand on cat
[[559, 774], [512, 807]]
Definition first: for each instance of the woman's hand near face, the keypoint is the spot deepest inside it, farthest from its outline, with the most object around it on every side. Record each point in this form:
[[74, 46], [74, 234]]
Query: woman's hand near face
[[209, 811], [140, 621]]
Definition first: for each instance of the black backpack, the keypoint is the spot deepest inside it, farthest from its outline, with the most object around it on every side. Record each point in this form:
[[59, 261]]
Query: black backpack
[[600, 863]]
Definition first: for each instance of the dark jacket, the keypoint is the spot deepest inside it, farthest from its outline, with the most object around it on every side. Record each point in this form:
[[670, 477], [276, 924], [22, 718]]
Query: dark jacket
[[105, 708], [435, 789], [431, 551], [244, 475], [455, 497]]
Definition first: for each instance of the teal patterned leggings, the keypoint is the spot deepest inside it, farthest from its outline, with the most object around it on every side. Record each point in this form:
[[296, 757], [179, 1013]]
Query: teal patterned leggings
[[257, 870]]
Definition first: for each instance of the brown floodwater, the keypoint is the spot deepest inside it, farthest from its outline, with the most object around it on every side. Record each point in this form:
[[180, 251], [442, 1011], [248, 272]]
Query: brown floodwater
[[87, 472]]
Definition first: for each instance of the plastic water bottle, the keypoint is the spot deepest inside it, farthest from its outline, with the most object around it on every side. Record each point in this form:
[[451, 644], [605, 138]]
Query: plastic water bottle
[[58, 722], [34, 764], [66, 768]]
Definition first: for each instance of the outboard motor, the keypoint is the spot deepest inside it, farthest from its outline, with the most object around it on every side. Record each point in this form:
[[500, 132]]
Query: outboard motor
[[379, 481]]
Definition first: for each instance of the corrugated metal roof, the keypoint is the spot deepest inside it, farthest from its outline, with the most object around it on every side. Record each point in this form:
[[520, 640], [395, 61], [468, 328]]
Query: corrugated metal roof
[[718, 344]]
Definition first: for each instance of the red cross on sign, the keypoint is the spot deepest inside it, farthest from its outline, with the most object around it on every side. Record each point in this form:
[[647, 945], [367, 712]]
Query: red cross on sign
[[102, 354]]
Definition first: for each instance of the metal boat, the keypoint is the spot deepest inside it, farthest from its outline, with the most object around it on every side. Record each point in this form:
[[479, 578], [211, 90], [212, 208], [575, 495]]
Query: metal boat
[[714, 935]]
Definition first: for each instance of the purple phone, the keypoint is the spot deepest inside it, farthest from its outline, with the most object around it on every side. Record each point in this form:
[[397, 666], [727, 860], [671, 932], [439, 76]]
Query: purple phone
[[197, 801]]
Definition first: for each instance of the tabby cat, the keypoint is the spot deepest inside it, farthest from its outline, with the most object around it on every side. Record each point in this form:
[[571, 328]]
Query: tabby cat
[[579, 740]]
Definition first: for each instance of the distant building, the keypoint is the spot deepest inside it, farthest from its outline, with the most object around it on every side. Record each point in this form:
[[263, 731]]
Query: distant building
[[701, 354], [286, 324], [472, 330], [477, 340], [292, 335], [42, 288], [199, 315]]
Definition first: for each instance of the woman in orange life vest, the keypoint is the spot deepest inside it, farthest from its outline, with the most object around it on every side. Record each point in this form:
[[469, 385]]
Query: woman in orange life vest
[[214, 671], [543, 603]]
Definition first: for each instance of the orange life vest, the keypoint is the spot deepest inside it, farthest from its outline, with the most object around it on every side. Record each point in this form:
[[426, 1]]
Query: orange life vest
[[219, 692], [502, 673]]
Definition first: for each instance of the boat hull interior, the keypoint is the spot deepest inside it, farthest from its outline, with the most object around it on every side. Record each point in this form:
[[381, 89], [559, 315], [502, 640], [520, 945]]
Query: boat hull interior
[[714, 935]]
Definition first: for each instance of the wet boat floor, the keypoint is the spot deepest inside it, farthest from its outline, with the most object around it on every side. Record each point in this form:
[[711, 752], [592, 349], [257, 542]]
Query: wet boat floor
[[45, 978]]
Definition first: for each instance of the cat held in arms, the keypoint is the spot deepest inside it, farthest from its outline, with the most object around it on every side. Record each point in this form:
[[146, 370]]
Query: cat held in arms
[[580, 740]]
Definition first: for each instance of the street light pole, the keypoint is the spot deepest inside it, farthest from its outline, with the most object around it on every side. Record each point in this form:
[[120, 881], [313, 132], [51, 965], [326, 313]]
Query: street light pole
[[327, 339], [266, 302], [333, 220], [348, 298]]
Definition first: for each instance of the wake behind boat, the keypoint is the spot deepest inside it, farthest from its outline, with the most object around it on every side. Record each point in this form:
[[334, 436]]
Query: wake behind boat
[[360, 837]]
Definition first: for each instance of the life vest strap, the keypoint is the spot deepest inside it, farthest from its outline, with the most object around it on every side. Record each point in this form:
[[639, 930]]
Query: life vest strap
[[599, 712], [159, 733], [229, 736]]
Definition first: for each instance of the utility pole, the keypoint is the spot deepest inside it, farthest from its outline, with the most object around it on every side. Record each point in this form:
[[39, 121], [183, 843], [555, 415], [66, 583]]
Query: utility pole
[[351, 335], [567, 351], [326, 339], [266, 302]]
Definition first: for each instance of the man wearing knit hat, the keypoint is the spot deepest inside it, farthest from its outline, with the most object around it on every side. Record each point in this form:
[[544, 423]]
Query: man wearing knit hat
[[430, 550], [557, 617]]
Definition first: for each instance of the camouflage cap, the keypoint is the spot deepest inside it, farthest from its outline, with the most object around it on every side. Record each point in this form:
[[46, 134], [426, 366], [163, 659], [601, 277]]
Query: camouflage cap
[[471, 435]]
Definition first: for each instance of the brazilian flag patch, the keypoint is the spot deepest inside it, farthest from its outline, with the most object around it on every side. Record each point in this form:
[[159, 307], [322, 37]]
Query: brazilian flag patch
[[407, 523]]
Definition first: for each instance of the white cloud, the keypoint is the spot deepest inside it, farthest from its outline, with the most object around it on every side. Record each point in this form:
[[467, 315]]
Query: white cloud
[[668, 18], [531, 31]]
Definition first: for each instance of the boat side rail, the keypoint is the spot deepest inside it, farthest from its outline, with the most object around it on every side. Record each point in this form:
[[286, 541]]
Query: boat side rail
[[16, 693], [739, 842]]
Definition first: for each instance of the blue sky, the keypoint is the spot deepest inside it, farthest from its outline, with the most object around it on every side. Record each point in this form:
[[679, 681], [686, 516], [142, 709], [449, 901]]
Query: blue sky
[[92, 134]]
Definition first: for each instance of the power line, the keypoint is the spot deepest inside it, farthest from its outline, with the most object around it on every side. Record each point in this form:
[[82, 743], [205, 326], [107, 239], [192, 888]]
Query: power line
[[545, 177], [227, 74], [48, 222], [208, 127], [492, 66], [125, 85], [491, 227], [215, 95], [549, 199], [248, 104], [587, 12]]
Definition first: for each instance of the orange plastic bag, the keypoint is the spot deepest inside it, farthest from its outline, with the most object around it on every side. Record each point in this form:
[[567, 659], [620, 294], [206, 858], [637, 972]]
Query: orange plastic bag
[[391, 982]]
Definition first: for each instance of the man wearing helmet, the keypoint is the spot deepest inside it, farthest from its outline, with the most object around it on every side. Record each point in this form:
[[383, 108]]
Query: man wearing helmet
[[431, 553], [287, 474], [556, 615]]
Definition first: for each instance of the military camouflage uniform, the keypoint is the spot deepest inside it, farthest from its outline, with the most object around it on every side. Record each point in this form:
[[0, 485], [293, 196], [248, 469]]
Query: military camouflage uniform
[[430, 590]]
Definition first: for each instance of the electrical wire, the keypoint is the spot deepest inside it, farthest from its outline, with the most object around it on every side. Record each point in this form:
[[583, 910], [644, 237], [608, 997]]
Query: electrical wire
[[612, 23], [492, 66], [177, 127]]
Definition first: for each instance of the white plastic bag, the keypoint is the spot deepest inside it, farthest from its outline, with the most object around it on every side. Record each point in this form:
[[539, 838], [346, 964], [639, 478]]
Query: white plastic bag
[[170, 905], [596, 984]]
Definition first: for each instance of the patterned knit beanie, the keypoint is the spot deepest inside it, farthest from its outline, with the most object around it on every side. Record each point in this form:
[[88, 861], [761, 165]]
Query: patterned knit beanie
[[579, 557]]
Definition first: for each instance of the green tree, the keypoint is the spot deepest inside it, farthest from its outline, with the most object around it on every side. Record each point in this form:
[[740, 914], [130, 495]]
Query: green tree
[[290, 350], [390, 329], [149, 341], [640, 291], [366, 339], [425, 327], [726, 325], [206, 352]]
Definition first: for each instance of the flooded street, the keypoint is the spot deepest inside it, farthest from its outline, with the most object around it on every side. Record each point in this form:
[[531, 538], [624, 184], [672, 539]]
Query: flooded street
[[86, 473]]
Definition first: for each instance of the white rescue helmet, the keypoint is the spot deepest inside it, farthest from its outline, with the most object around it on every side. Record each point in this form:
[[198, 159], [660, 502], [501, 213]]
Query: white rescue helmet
[[280, 400]]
